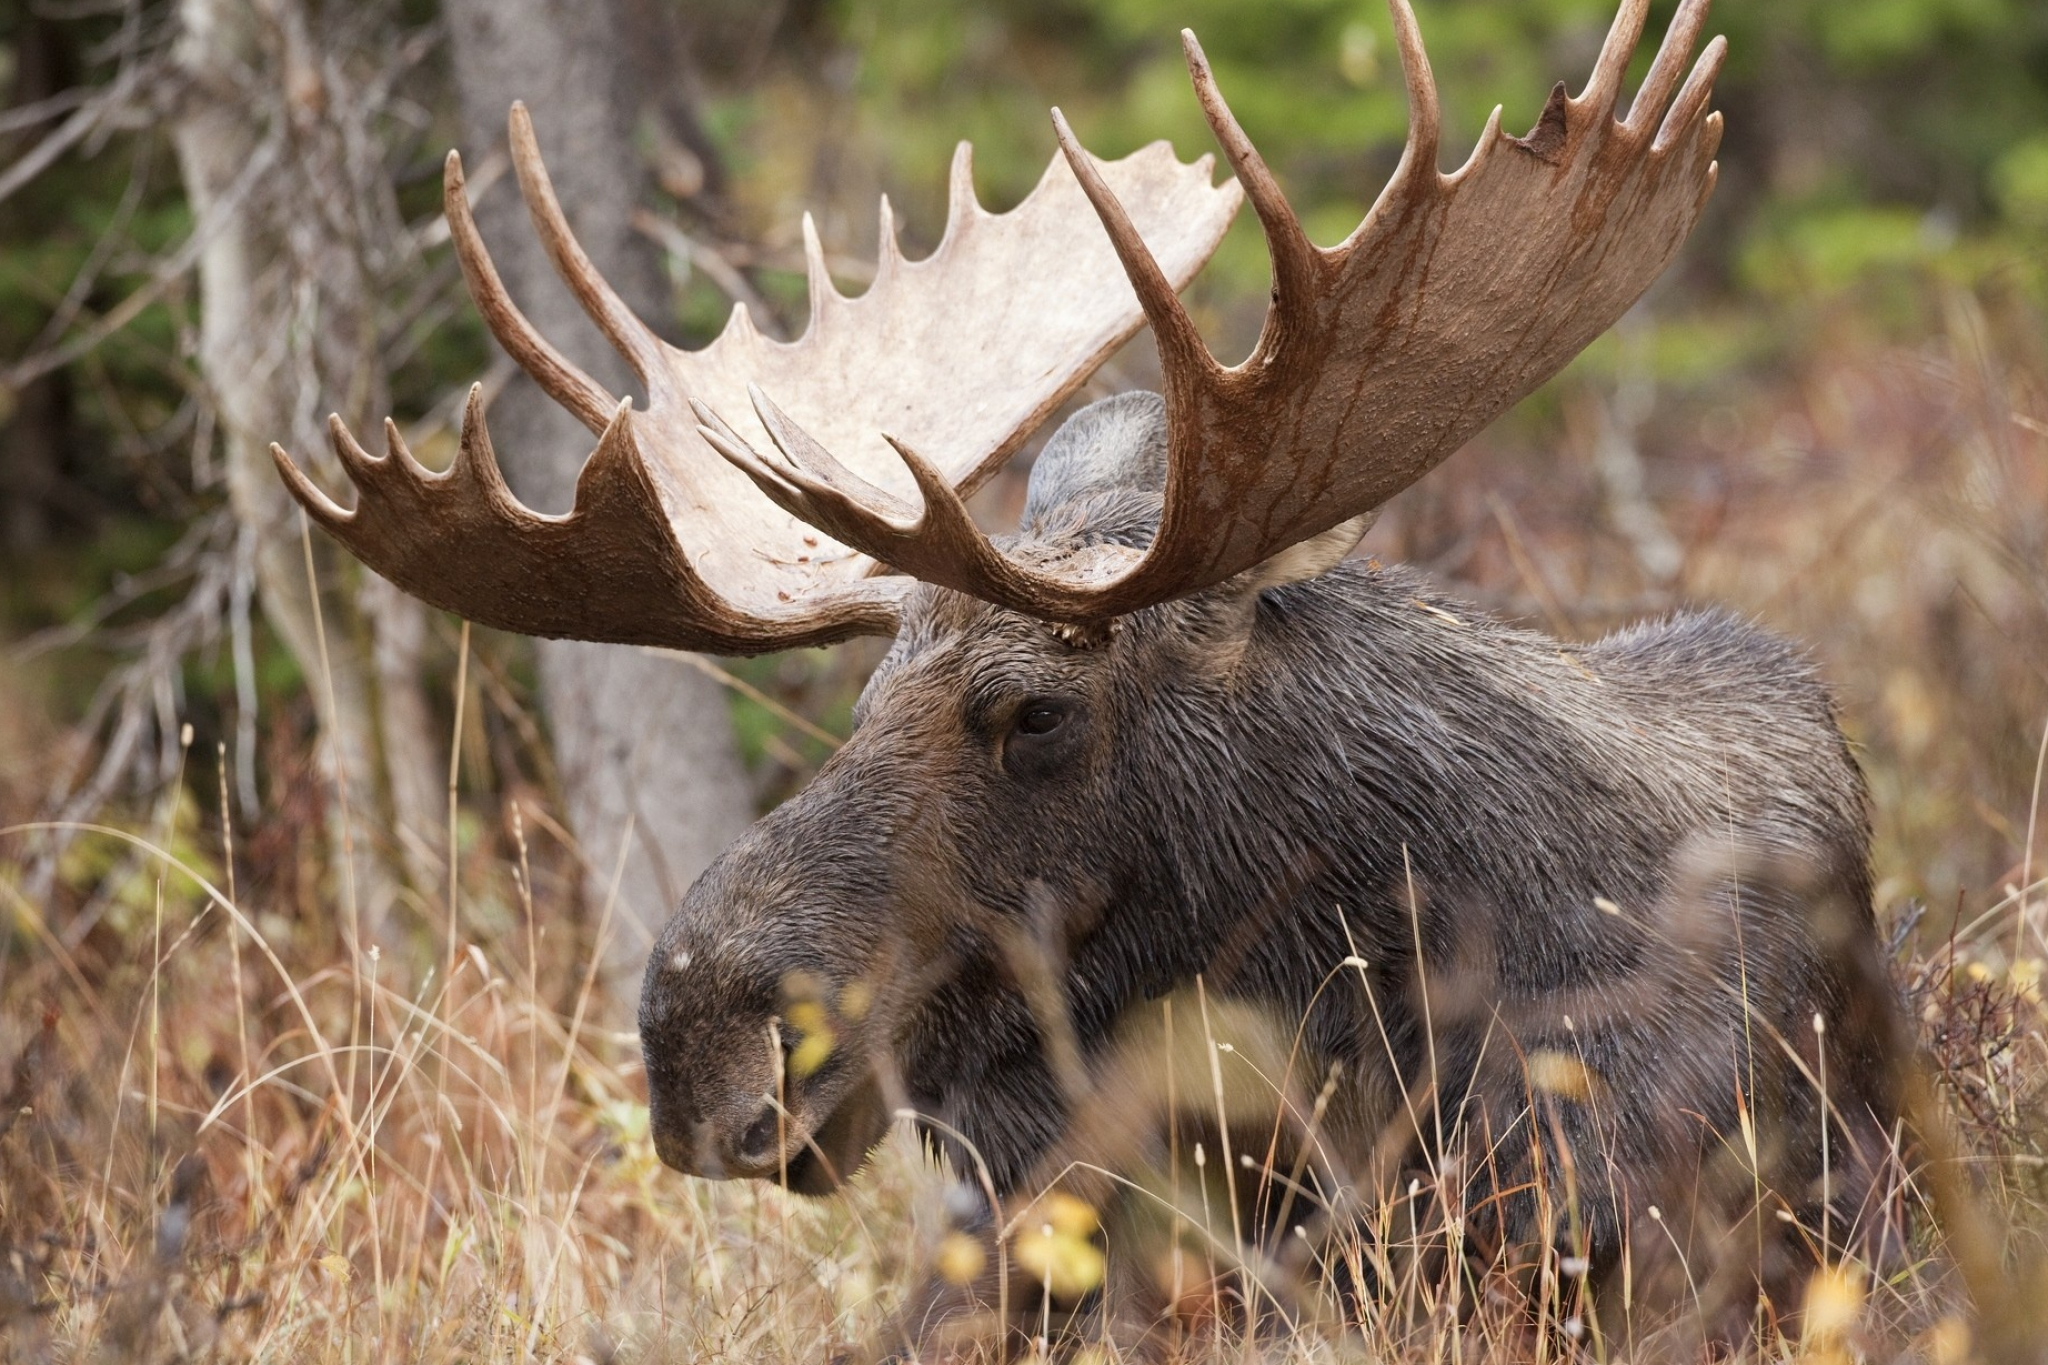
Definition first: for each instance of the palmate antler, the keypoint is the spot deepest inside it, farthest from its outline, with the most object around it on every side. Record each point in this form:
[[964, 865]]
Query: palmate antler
[[965, 352], [1457, 296]]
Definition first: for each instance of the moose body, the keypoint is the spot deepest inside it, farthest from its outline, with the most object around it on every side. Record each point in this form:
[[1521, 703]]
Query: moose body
[[1565, 925], [1263, 786]]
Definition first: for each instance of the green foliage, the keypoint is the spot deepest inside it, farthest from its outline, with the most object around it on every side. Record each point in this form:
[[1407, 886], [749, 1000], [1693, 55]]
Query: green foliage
[[2019, 181], [1894, 106]]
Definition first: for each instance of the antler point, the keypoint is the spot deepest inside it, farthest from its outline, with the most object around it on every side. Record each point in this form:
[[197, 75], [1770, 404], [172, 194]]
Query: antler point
[[519, 126], [311, 499]]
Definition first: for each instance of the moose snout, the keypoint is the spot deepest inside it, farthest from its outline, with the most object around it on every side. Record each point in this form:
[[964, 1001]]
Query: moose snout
[[746, 1140]]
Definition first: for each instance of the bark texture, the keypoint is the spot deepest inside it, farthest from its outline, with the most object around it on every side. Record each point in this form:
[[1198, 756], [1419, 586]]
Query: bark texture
[[643, 743], [294, 209]]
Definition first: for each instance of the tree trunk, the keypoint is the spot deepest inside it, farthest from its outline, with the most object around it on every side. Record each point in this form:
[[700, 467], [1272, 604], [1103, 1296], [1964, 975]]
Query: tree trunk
[[644, 744], [280, 190]]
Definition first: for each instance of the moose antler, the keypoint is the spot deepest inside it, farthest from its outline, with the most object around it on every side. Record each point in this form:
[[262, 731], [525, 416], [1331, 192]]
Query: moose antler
[[667, 544], [1455, 297]]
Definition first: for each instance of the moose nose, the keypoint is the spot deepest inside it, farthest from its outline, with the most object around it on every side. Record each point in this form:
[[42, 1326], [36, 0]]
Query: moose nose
[[719, 1150], [756, 1145]]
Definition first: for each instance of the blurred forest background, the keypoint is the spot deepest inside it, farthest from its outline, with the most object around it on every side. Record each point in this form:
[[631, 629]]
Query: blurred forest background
[[220, 220]]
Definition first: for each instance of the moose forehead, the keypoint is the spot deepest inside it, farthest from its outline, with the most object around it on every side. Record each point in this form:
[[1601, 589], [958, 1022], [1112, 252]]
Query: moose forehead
[[987, 656]]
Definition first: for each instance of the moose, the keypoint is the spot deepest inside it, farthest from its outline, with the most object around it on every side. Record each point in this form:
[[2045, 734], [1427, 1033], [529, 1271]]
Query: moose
[[1171, 735]]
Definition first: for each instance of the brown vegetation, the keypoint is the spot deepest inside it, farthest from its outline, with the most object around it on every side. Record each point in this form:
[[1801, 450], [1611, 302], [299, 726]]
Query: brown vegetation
[[228, 1136]]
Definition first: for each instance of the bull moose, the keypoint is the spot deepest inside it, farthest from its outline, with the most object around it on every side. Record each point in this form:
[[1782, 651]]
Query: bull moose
[[1171, 736]]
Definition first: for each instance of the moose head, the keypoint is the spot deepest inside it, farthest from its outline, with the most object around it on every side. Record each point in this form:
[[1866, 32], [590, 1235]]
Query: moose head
[[1157, 732]]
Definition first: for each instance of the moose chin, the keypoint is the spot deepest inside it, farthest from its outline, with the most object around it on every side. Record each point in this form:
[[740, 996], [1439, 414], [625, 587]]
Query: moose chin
[[1558, 924]]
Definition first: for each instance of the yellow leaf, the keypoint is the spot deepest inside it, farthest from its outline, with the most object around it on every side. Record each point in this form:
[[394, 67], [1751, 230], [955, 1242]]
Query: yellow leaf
[[1834, 1300], [1563, 1075], [1066, 1265], [960, 1258], [1948, 1342], [338, 1267], [810, 1054], [1068, 1215]]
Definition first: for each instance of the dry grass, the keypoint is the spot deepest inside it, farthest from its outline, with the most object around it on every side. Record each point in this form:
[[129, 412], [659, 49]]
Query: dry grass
[[229, 1133]]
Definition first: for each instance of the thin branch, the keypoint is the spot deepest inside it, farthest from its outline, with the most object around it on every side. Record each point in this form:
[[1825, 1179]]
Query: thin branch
[[713, 263], [68, 133], [42, 110], [169, 273], [181, 562], [141, 695], [102, 252]]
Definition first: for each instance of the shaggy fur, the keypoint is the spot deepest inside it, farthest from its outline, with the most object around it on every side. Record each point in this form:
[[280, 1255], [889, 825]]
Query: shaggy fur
[[1648, 855]]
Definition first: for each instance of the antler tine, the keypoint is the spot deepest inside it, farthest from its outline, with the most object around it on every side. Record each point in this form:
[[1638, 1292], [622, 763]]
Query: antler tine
[[1699, 88], [799, 482], [1295, 260], [947, 548], [363, 468], [888, 251], [961, 204], [938, 544], [817, 275], [819, 466], [629, 336], [1604, 89], [774, 483], [306, 493], [476, 459], [1172, 328], [1670, 67], [397, 452], [1425, 114], [557, 376]]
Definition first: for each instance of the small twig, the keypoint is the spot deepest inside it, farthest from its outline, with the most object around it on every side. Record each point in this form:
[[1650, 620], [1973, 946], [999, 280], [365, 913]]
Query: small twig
[[170, 272], [42, 110], [1532, 578], [70, 132], [102, 251], [716, 267], [752, 694]]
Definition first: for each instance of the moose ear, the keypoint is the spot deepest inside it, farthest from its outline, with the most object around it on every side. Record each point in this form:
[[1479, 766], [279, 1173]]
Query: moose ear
[[1311, 558], [1222, 616]]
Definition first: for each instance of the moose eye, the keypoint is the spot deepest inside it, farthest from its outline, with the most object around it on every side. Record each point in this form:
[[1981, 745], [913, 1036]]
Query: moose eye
[[1039, 718]]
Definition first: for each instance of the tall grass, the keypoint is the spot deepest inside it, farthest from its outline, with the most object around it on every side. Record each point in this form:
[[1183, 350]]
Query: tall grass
[[231, 1131]]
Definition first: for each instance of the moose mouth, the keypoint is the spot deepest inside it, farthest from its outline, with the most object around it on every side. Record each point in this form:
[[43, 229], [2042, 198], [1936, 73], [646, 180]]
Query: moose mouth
[[807, 1173], [840, 1145], [816, 1164]]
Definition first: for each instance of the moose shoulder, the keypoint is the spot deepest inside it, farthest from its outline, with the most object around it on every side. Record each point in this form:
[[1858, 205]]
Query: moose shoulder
[[1564, 927]]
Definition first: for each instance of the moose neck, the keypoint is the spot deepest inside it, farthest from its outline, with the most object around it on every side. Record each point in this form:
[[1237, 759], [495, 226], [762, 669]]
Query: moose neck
[[1380, 773], [1379, 743]]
